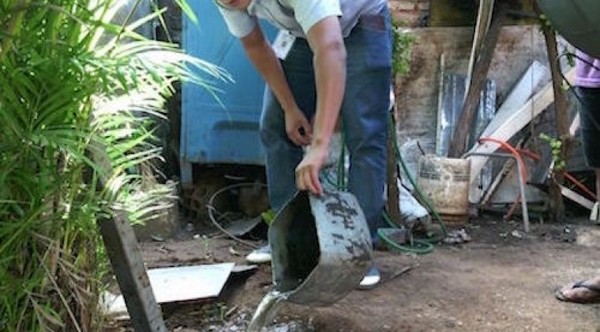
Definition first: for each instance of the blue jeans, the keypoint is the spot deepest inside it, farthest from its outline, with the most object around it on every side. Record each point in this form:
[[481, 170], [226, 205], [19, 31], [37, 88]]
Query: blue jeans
[[589, 111], [364, 116]]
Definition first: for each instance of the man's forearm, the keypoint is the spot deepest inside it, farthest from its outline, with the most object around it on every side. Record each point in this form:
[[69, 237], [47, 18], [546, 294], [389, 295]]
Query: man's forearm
[[267, 64], [330, 75]]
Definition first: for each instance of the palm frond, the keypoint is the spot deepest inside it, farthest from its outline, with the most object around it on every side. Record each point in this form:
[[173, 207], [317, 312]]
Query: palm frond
[[81, 97]]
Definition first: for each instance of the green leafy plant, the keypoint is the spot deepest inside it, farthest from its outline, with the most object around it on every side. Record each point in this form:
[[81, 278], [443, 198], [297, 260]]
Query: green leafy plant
[[544, 22], [80, 95], [559, 164], [402, 51]]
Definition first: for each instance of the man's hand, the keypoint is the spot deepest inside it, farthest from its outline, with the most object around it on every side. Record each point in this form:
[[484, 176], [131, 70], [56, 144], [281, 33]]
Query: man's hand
[[307, 172], [297, 127]]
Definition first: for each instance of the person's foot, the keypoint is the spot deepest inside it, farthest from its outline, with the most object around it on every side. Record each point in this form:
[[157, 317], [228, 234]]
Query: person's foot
[[371, 279], [260, 255], [585, 291]]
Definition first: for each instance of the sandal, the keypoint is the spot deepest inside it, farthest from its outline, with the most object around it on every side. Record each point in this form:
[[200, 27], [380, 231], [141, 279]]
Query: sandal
[[579, 292]]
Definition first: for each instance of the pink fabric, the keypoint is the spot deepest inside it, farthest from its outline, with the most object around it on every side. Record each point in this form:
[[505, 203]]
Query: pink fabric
[[587, 71]]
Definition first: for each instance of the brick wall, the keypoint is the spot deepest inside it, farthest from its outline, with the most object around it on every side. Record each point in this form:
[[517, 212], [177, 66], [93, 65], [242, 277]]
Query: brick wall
[[409, 13]]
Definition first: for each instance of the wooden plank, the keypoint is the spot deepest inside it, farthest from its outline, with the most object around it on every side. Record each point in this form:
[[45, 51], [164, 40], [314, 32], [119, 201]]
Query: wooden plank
[[518, 120], [575, 197], [128, 266], [536, 76], [484, 18], [529, 83], [459, 140], [506, 168]]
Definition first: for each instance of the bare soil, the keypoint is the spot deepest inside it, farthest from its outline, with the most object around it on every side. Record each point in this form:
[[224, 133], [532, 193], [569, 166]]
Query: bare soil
[[503, 280]]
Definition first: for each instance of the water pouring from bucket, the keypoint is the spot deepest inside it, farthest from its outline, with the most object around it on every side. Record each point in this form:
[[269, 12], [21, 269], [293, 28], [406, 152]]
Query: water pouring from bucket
[[266, 311], [321, 249]]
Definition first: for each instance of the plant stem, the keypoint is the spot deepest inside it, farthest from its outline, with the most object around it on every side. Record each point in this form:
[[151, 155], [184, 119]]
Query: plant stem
[[556, 209], [13, 25]]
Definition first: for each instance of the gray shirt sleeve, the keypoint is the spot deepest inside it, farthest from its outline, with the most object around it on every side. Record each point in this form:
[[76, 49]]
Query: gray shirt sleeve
[[239, 23], [310, 12], [306, 12]]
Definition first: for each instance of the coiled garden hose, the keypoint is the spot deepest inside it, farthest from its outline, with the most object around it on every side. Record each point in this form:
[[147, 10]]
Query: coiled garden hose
[[417, 246]]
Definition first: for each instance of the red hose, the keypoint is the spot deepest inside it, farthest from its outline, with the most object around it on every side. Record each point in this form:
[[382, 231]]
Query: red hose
[[534, 156], [512, 150], [517, 156]]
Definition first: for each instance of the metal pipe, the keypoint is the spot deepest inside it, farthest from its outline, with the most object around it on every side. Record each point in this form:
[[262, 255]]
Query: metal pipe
[[524, 209]]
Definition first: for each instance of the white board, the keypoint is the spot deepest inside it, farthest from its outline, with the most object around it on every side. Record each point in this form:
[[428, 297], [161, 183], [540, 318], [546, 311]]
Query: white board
[[186, 283]]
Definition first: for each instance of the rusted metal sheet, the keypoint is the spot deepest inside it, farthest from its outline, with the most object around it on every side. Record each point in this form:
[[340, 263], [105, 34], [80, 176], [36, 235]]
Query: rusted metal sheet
[[452, 101]]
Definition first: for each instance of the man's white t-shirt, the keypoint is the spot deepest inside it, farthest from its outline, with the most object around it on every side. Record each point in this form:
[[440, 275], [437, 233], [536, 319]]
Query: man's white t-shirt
[[298, 16]]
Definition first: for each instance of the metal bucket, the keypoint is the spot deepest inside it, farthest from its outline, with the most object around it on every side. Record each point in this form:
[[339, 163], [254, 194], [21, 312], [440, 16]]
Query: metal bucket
[[321, 248]]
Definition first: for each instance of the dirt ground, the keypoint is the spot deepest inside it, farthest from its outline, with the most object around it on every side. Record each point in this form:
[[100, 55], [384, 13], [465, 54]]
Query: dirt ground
[[503, 280]]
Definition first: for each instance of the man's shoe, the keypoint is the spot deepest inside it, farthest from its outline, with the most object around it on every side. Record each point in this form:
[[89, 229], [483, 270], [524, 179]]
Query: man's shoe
[[260, 255], [371, 279]]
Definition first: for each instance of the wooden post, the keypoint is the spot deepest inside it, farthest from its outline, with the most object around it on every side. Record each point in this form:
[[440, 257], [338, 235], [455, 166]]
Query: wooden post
[[561, 106], [480, 71], [127, 263], [484, 18], [392, 174], [128, 266]]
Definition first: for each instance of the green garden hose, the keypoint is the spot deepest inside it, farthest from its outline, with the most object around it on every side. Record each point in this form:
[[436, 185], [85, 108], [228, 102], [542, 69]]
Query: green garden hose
[[424, 199], [417, 246]]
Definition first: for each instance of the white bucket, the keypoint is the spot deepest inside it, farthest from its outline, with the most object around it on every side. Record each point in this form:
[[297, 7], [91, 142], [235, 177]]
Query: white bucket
[[445, 181]]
